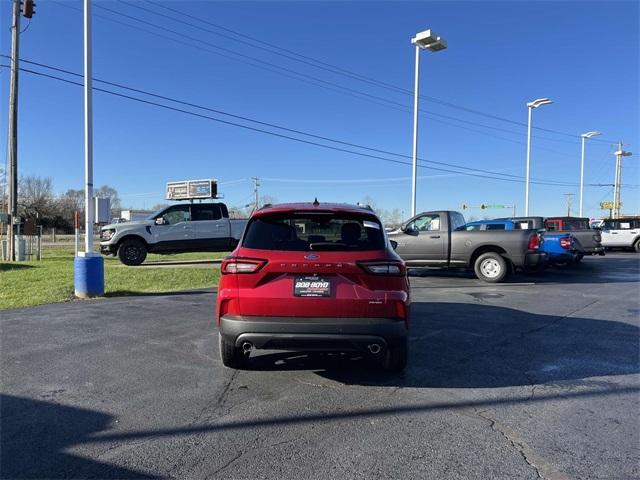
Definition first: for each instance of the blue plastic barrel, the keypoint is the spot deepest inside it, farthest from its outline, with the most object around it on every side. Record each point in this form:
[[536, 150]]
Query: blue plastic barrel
[[88, 274]]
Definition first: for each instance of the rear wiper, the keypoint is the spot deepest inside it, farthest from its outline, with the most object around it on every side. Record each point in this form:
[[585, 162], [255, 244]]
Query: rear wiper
[[326, 246]]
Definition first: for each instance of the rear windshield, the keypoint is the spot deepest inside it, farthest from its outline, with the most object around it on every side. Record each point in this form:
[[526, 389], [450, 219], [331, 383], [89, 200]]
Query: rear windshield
[[570, 225], [314, 231]]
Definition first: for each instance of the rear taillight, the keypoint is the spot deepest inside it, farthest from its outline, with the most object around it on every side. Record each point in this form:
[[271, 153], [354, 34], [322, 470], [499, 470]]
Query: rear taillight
[[401, 310], [566, 243], [388, 268], [534, 242], [242, 265]]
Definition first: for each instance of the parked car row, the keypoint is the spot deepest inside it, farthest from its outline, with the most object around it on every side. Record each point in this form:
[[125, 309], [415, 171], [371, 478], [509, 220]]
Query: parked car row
[[328, 277]]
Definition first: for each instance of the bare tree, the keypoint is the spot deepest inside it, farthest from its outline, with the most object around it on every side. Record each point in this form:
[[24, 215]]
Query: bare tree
[[35, 196]]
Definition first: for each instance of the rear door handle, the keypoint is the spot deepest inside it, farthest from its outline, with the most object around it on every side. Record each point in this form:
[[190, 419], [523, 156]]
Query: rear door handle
[[434, 236], [186, 227], [220, 226]]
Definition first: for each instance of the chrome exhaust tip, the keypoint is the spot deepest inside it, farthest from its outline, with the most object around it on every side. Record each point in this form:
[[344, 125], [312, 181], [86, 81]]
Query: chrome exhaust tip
[[246, 347], [374, 348]]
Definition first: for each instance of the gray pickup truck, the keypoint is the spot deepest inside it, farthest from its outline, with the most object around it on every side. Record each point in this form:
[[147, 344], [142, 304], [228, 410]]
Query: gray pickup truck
[[196, 227], [438, 239]]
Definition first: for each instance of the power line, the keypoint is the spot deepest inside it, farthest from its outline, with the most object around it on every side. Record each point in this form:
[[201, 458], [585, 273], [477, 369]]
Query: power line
[[320, 137], [330, 147], [311, 79], [308, 60]]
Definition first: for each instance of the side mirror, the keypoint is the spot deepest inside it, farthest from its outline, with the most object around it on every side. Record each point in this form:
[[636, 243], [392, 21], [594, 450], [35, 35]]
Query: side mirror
[[394, 244], [410, 230], [160, 221]]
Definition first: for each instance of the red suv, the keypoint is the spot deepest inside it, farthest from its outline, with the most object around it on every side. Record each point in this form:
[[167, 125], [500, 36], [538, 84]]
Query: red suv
[[313, 276]]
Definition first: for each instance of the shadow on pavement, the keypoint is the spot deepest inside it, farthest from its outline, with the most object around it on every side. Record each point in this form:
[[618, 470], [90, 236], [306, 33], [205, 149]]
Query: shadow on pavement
[[35, 435], [620, 270], [458, 345]]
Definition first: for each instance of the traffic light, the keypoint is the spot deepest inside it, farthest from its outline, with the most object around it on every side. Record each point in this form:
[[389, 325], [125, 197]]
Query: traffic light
[[464, 206], [483, 206], [28, 8]]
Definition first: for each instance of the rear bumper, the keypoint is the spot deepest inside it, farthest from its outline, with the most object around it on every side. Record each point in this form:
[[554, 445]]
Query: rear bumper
[[535, 259], [316, 333], [593, 251]]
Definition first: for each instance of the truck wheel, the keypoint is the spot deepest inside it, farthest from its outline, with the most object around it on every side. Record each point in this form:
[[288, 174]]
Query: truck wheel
[[636, 246], [397, 357], [132, 252], [578, 259], [231, 356], [491, 267]]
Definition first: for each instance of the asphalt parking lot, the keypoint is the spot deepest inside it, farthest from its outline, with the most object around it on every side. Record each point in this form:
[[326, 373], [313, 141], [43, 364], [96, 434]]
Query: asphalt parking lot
[[536, 378]]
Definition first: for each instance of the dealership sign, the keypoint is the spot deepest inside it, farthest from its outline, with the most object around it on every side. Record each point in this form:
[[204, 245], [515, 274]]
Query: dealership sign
[[608, 205], [192, 189]]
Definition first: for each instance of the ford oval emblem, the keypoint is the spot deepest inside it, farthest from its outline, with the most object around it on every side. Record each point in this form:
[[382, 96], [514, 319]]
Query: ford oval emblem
[[311, 256]]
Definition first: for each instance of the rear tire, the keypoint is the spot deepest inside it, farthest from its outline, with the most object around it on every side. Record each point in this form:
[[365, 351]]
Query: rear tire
[[491, 267], [132, 252], [636, 246], [397, 357], [231, 356], [578, 259]]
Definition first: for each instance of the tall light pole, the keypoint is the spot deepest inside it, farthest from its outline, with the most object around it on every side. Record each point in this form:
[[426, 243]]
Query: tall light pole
[[426, 40], [88, 266], [584, 139], [618, 181], [531, 105]]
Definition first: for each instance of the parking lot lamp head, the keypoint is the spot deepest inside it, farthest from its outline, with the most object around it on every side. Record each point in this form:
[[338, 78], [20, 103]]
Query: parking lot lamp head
[[590, 134], [426, 40], [538, 102]]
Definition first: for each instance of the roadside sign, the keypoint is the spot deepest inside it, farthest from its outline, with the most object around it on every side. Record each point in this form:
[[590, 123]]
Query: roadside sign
[[608, 205], [192, 189]]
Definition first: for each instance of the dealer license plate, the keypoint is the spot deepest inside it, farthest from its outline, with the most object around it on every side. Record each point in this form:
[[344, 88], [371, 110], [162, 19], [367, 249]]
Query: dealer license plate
[[311, 287]]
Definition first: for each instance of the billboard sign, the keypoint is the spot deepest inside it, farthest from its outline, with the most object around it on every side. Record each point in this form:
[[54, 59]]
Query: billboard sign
[[192, 189]]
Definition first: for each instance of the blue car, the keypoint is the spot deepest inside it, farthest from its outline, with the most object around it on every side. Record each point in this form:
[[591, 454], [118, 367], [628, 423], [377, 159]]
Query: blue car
[[561, 248]]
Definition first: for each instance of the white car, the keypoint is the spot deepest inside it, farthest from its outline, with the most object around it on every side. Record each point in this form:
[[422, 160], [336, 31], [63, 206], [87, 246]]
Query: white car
[[621, 232]]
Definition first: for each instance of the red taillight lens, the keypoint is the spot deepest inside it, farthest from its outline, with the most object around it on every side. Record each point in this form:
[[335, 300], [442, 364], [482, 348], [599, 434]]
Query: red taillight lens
[[388, 268], [534, 242], [566, 243], [242, 265]]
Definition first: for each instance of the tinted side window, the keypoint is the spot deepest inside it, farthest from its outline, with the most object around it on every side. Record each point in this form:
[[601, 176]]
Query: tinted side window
[[177, 214], [426, 223], [206, 212], [497, 226], [457, 220]]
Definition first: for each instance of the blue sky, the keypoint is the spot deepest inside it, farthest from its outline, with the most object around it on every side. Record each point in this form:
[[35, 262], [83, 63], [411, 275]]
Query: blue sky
[[583, 55]]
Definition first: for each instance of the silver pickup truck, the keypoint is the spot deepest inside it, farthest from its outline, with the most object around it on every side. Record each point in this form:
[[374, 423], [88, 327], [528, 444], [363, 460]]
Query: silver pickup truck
[[196, 227], [436, 239]]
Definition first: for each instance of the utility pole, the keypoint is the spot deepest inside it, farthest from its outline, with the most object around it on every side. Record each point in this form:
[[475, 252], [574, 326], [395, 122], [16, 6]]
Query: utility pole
[[569, 198], [618, 179], [256, 184], [12, 140]]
